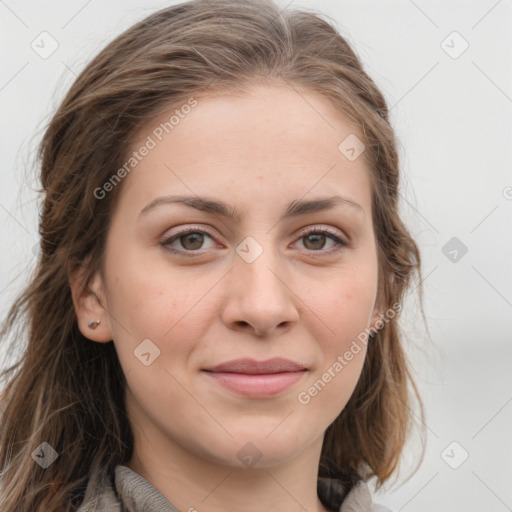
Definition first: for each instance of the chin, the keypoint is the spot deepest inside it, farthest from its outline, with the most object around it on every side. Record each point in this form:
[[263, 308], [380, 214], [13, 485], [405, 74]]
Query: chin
[[256, 449]]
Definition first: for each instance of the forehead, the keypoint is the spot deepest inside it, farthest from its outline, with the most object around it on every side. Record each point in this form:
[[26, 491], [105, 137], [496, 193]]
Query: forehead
[[266, 141]]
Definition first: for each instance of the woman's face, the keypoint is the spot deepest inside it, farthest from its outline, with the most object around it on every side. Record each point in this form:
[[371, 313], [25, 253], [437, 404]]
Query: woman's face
[[246, 282]]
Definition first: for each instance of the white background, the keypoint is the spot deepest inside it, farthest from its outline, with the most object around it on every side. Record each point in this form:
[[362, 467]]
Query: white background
[[453, 117]]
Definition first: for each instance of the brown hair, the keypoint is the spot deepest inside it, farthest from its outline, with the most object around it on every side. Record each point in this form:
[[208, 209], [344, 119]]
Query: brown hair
[[68, 391]]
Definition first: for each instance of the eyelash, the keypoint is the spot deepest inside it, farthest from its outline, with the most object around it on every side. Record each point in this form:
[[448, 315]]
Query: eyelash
[[341, 244]]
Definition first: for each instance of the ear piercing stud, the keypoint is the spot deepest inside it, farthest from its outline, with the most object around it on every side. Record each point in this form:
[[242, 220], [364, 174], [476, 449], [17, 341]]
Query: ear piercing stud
[[94, 323]]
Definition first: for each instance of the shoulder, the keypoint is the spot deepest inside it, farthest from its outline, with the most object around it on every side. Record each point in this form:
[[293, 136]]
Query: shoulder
[[359, 499], [381, 508], [100, 495]]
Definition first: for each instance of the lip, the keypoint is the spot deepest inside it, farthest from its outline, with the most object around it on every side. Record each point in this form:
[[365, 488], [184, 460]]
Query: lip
[[257, 379], [254, 367]]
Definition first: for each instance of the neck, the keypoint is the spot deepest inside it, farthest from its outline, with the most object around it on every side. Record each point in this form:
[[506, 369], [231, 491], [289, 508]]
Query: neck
[[193, 483]]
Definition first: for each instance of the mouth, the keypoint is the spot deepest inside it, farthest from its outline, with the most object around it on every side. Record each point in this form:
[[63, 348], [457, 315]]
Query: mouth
[[253, 367], [257, 379]]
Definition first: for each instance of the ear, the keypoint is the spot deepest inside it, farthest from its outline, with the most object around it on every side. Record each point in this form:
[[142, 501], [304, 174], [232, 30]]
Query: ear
[[90, 305]]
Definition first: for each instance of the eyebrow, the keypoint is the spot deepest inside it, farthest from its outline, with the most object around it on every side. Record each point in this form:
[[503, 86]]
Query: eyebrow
[[218, 207]]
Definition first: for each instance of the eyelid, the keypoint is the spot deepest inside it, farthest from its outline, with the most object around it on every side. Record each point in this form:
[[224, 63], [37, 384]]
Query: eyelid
[[322, 228], [190, 228]]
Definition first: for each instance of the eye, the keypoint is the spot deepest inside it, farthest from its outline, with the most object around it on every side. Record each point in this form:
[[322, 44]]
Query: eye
[[315, 239], [192, 239]]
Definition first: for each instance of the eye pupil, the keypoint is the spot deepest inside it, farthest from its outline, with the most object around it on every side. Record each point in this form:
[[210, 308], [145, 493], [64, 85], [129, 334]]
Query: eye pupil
[[314, 237], [196, 237]]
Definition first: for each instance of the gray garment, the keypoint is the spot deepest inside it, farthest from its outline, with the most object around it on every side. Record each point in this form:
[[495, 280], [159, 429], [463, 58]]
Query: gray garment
[[133, 493]]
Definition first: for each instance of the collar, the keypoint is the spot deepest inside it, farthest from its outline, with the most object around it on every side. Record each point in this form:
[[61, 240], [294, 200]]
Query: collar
[[127, 491]]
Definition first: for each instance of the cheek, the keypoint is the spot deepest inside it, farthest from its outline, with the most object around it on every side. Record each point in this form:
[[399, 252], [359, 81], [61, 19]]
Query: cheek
[[144, 295], [159, 305], [343, 351], [350, 311], [345, 304], [344, 307], [344, 316]]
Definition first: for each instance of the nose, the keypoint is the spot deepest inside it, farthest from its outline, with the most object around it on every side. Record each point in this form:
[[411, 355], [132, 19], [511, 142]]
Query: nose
[[258, 297]]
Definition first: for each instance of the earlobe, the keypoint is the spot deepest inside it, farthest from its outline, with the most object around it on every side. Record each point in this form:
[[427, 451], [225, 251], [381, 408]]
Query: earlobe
[[90, 307]]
